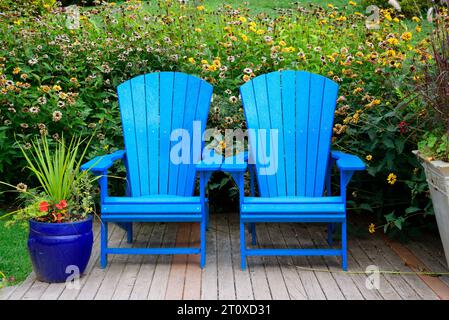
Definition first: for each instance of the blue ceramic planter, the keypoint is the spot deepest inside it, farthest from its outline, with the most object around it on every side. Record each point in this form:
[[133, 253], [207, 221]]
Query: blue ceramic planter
[[57, 250]]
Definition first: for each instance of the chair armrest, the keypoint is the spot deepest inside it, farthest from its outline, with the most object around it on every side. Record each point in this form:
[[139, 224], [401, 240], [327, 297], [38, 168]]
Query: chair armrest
[[100, 164], [211, 162], [237, 163], [347, 162]]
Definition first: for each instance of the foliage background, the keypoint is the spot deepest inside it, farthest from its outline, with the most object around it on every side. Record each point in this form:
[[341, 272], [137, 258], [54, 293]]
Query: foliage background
[[56, 80]]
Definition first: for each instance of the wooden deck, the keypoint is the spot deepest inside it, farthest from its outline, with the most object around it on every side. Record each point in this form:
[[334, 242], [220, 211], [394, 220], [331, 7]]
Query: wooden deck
[[179, 277]]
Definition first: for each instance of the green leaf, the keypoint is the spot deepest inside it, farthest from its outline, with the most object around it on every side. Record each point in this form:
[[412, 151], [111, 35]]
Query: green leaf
[[412, 210], [366, 206], [388, 143]]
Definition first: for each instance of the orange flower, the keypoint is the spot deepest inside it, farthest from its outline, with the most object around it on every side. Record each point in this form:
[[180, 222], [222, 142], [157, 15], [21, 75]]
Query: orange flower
[[61, 205], [43, 206]]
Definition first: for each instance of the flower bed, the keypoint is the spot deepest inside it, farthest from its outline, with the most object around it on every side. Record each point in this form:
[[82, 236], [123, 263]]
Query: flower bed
[[54, 79]]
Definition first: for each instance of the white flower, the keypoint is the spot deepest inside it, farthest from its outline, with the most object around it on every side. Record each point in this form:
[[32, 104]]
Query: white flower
[[57, 115]]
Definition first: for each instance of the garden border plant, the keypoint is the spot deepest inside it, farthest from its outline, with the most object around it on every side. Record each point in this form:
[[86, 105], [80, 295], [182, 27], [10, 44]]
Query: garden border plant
[[66, 82], [59, 211]]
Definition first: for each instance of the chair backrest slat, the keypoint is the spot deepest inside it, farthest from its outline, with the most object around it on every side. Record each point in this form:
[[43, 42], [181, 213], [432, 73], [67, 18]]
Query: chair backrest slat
[[152, 89], [152, 106], [300, 106], [288, 82]]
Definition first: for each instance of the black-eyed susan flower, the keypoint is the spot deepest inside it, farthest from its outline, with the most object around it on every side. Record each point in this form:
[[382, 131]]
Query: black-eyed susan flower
[[392, 178], [406, 36]]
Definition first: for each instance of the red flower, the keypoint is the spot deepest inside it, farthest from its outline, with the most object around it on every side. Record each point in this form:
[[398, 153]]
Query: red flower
[[43, 206], [403, 127], [61, 205]]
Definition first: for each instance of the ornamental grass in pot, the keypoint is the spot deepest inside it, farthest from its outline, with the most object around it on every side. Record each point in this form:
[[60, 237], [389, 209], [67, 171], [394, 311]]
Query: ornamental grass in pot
[[58, 211], [433, 149]]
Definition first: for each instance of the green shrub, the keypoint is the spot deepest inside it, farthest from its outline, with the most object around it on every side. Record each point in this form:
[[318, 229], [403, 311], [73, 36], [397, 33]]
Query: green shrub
[[408, 7]]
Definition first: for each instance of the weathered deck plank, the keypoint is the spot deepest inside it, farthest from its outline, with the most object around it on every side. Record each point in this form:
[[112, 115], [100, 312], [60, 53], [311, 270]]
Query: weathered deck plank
[[226, 289], [327, 282], [274, 274], [145, 274], [129, 275], [292, 279], [344, 282], [310, 282], [176, 279], [180, 277], [376, 255], [209, 276], [95, 278], [159, 284], [192, 283], [243, 286]]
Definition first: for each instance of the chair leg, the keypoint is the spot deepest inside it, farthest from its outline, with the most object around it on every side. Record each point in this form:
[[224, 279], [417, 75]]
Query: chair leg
[[203, 242], [207, 216], [330, 232], [104, 244], [129, 232], [344, 253], [242, 245], [253, 234]]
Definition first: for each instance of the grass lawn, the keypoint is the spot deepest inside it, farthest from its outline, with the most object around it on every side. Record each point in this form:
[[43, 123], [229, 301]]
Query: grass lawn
[[257, 5], [14, 261], [261, 5]]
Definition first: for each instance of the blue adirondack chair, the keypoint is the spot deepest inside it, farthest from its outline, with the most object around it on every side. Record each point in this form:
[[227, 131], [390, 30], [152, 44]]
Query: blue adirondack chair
[[300, 106], [158, 189]]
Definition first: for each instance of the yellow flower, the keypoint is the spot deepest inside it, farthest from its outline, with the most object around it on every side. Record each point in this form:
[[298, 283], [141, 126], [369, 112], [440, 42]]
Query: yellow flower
[[288, 49], [352, 3], [395, 20], [204, 61], [212, 67], [416, 19], [57, 87], [393, 41], [200, 8], [392, 178], [282, 43], [260, 31], [222, 144], [198, 30], [191, 60], [406, 36], [16, 70], [390, 53], [330, 5], [369, 157], [242, 19], [418, 28], [45, 89], [372, 228], [246, 78], [244, 37], [357, 90], [18, 22]]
